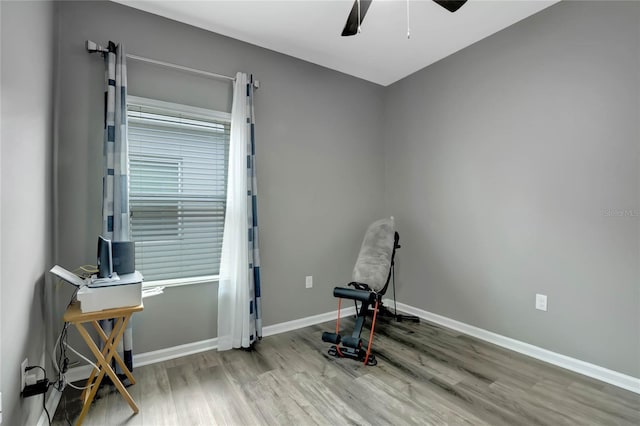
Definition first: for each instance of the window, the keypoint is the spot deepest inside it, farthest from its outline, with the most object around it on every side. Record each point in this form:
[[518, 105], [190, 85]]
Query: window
[[178, 158]]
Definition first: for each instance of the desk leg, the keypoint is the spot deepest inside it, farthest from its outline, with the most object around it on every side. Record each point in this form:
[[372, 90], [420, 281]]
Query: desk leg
[[105, 368], [104, 338], [108, 342], [121, 324], [105, 349], [88, 399]]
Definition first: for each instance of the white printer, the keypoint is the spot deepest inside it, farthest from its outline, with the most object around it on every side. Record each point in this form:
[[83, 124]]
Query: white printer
[[109, 293], [117, 283]]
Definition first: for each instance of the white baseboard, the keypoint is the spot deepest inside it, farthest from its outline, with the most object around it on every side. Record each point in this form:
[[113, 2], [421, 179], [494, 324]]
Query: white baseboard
[[52, 403], [174, 352], [591, 370], [283, 327], [82, 372], [606, 375]]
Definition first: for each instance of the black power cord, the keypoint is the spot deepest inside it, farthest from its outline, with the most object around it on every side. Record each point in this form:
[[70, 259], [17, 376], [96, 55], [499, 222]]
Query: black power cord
[[41, 387], [63, 362], [44, 406]]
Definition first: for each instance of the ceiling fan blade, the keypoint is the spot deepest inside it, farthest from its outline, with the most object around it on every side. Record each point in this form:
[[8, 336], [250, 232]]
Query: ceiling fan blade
[[451, 5], [351, 27]]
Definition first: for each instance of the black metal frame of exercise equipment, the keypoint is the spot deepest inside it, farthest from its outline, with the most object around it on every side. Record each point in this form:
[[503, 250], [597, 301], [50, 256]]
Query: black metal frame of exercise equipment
[[352, 346]]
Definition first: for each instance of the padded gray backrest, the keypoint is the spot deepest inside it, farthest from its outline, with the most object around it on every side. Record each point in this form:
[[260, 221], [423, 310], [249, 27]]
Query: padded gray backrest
[[374, 261]]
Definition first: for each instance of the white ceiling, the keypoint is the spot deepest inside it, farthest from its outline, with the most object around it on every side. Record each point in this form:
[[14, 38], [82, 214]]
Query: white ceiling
[[310, 29]]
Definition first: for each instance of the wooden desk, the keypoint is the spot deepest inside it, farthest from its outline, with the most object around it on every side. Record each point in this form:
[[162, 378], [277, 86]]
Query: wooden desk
[[74, 316]]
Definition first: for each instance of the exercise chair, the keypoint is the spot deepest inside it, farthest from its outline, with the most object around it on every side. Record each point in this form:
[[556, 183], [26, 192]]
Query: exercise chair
[[371, 276]]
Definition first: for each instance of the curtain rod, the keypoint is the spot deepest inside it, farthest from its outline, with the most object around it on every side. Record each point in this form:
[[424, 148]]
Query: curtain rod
[[94, 47], [180, 67]]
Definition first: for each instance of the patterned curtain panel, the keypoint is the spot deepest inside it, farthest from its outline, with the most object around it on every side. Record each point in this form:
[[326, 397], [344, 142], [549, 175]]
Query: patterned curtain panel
[[255, 298], [115, 180], [239, 308], [115, 184]]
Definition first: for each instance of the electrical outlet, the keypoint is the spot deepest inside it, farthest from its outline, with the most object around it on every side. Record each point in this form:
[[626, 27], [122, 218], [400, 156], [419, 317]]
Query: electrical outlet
[[31, 379], [23, 374], [308, 282], [541, 302]]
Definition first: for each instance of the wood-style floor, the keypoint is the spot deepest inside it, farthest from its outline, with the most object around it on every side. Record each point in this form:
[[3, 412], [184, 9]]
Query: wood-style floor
[[426, 374]]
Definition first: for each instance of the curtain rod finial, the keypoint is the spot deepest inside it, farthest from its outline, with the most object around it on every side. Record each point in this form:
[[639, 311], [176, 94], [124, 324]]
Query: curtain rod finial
[[94, 47]]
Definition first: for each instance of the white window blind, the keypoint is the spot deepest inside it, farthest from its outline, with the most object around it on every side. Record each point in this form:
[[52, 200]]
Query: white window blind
[[178, 160]]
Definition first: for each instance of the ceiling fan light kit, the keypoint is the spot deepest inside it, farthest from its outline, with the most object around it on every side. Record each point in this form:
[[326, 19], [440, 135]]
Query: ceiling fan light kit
[[360, 8]]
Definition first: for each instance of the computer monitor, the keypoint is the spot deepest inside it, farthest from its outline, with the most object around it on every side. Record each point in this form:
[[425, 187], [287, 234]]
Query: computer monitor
[[105, 258]]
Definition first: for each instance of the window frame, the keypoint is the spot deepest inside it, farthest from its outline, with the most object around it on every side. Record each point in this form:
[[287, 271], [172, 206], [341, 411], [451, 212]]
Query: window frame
[[197, 113]]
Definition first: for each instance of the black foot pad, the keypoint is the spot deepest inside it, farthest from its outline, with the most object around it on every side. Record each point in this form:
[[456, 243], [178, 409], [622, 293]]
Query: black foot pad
[[331, 337]]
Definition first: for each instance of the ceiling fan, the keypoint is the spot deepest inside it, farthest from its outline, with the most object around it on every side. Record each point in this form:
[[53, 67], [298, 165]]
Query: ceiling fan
[[360, 7]]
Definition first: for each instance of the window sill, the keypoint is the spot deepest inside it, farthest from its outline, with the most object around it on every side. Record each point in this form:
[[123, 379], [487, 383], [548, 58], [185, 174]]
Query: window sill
[[179, 282]]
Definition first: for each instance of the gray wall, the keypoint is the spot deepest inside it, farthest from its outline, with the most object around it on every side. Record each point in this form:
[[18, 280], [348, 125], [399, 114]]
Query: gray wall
[[319, 148], [502, 161], [26, 155]]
